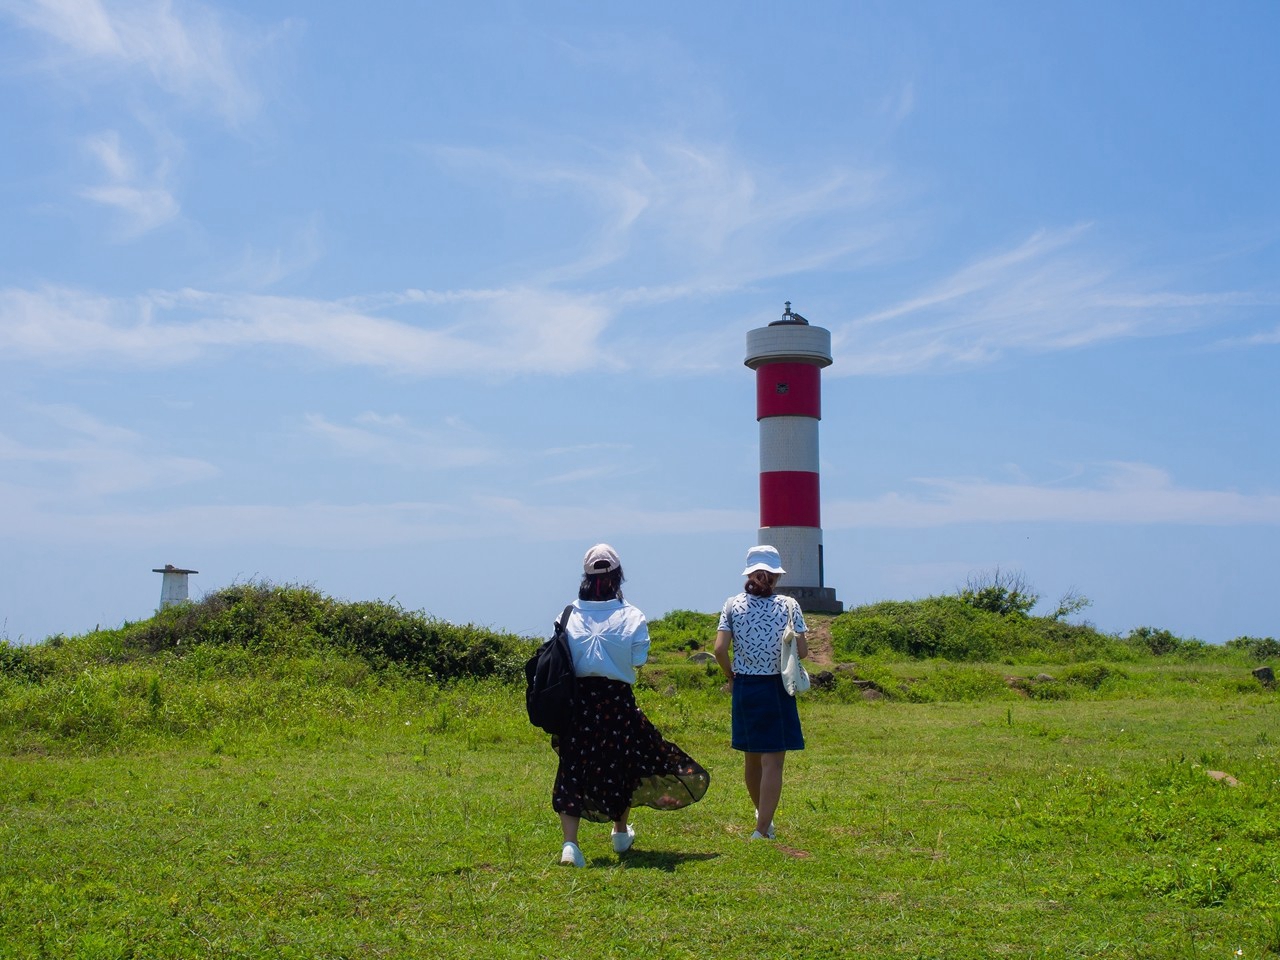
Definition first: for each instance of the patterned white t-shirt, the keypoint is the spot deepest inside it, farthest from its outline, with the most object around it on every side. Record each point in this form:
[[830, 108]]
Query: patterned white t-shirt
[[757, 624]]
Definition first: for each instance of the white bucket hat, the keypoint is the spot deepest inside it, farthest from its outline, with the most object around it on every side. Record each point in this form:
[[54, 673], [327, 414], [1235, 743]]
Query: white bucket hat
[[601, 558], [763, 558]]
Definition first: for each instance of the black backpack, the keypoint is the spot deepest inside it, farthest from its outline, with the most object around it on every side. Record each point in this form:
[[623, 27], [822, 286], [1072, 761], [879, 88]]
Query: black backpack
[[550, 683]]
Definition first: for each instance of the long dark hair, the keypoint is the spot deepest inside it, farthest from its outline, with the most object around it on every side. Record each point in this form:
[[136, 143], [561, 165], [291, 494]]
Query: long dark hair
[[601, 586], [761, 586]]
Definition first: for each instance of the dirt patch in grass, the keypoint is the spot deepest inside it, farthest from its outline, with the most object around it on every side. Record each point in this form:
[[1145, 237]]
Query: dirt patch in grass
[[821, 651]]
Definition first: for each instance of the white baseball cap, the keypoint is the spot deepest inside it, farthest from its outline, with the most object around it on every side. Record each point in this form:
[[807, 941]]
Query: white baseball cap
[[763, 558], [601, 558]]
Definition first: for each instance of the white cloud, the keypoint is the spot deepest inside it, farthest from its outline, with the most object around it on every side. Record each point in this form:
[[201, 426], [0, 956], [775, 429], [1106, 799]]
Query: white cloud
[[695, 216], [1046, 294], [88, 460], [188, 52], [901, 104], [1124, 493], [392, 440], [144, 201], [479, 334], [355, 526], [592, 472], [300, 250], [1265, 338], [693, 221], [81, 25]]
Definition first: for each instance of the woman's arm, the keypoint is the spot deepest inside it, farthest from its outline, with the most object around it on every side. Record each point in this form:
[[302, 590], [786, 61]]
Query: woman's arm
[[802, 634], [723, 640]]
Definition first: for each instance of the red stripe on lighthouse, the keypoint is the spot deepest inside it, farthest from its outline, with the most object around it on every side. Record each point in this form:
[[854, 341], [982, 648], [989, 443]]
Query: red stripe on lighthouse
[[789, 498], [788, 390]]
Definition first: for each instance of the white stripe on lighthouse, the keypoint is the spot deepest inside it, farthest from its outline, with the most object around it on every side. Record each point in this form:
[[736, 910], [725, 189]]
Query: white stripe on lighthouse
[[789, 443], [802, 547]]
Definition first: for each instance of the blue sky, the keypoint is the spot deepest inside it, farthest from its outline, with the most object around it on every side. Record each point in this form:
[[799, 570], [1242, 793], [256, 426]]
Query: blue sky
[[417, 301]]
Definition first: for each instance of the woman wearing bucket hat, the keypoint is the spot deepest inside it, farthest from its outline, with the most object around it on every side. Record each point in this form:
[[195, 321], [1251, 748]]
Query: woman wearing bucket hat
[[612, 758], [766, 723]]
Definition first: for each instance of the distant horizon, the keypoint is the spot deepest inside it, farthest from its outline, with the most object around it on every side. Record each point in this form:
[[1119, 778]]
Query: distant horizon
[[1080, 618]]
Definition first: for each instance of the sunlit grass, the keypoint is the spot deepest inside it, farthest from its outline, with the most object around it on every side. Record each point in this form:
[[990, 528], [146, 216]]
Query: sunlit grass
[[405, 819]]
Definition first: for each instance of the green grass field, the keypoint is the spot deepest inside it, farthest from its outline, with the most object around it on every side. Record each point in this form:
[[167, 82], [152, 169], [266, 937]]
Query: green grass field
[[413, 820]]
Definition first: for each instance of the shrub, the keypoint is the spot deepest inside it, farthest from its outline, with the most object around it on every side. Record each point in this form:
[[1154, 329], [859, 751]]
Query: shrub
[[254, 615], [1090, 675], [1162, 643], [293, 620], [1256, 648], [18, 663], [1001, 592], [960, 629], [870, 635], [1069, 643], [938, 627], [683, 630]]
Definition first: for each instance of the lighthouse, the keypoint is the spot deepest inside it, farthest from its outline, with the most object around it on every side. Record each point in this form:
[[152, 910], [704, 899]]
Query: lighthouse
[[788, 356]]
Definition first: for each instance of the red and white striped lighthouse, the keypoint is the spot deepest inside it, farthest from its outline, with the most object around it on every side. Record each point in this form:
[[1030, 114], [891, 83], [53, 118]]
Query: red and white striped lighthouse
[[788, 356]]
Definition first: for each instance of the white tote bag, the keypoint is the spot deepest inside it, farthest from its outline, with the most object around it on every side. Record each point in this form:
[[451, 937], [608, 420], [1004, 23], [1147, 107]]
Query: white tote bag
[[794, 676]]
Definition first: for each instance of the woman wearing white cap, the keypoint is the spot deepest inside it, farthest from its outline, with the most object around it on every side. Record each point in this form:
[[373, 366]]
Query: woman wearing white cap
[[766, 723], [612, 758]]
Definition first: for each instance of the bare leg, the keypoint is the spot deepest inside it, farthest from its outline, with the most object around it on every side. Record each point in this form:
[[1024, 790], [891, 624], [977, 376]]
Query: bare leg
[[620, 825], [751, 773], [769, 788], [570, 827]]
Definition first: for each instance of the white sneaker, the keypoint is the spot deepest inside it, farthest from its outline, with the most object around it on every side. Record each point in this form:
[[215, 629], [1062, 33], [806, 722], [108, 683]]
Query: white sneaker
[[571, 856], [622, 841], [772, 834], [757, 835]]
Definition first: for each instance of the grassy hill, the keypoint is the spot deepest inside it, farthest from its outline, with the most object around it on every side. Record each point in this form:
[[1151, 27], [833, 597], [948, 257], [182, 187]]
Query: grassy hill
[[252, 651]]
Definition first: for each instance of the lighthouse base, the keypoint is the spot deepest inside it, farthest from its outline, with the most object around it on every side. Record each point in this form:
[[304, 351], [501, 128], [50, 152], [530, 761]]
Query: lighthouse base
[[814, 599]]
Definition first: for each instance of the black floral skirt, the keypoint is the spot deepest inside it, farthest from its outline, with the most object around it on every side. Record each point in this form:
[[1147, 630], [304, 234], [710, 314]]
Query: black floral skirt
[[613, 759]]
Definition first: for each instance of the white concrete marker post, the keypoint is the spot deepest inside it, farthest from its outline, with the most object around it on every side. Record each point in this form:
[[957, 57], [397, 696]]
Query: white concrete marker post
[[173, 589]]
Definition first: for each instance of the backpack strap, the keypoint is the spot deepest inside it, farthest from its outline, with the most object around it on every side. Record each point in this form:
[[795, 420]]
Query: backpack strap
[[564, 619]]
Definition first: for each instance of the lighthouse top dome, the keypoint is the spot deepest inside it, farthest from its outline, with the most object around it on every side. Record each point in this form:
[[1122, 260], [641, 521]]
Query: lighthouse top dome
[[789, 340]]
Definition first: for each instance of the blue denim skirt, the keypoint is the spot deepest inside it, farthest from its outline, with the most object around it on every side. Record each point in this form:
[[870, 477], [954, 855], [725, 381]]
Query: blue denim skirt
[[765, 718]]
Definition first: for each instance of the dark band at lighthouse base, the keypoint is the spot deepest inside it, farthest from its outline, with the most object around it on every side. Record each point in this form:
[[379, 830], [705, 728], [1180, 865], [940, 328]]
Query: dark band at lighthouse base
[[789, 498]]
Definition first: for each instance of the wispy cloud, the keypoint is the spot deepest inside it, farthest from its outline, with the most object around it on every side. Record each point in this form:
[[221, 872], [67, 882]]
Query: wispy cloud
[[478, 334], [143, 201], [899, 105], [1121, 493], [189, 52], [698, 215], [1050, 292], [1264, 338], [391, 439], [696, 221], [355, 525], [587, 463], [1125, 493], [86, 459], [260, 269]]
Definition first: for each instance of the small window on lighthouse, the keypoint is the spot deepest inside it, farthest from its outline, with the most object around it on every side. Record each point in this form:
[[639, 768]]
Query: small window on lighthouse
[[781, 388]]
